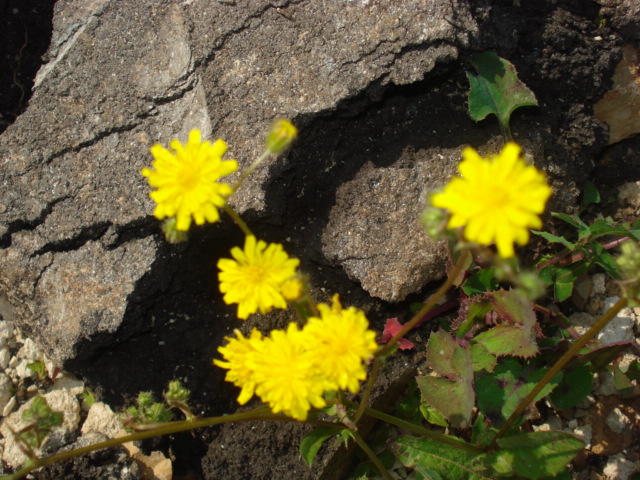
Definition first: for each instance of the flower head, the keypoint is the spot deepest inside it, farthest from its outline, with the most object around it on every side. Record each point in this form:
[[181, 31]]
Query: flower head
[[286, 377], [496, 199], [281, 135], [340, 342], [236, 355], [187, 180], [253, 279]]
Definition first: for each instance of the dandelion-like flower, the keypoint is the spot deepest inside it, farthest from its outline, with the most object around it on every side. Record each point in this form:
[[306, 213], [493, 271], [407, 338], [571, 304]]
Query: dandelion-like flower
[[236, 355], [187, 180], [340, 342], [496, 200], [254, 277], [286, 377]]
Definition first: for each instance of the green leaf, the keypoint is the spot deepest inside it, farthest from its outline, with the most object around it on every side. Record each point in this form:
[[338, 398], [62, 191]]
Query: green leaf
[[574, 220], [481, 359], [575, 386], [500, 393], [562, 280], [535, 455], [481, 282], [433, 416], [517, 336], [621, 381], [437, 460], [452, 396], [481, 433], [602, 227], [590, 195], [555, 239], [310, 445], [600, 256], [496, 89]]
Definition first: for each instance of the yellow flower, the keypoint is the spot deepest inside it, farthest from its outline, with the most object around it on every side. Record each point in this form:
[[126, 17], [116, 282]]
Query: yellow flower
[[236, 353], [496, 200], [286, 377], [187, 180], [340, 342], [254, 278]]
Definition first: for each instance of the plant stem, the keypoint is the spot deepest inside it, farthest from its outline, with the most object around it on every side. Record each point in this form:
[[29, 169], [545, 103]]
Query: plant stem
[[370, 453], [452, 442], [588, 336], [236, 218], [406, 328], [251, 168], [367, 389], [262, 413], [428, 306]]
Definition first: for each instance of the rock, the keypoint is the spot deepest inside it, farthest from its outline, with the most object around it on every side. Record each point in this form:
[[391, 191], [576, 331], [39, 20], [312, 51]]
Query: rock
[[76, 233], [377, 204], [619, 467], [620, 329], [68, 382], [624, 16], [58, 401], [101, 419], [620, 107], [6, 391]]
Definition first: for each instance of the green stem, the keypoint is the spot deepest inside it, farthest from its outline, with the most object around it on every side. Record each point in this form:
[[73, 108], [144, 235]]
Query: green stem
[[262, 413], [575, 348], [236, 218], [367, 389], [370, 453], [439, 437], [251, 168], [407, 327]]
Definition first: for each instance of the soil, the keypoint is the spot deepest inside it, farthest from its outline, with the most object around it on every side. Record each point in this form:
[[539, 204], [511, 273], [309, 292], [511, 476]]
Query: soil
[[560, 52]]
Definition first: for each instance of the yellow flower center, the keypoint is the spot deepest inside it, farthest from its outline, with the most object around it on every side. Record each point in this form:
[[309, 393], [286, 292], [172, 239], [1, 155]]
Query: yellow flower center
[[189, 177], [255, 274]]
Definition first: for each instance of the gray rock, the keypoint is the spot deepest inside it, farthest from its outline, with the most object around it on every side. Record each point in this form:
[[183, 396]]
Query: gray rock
[[76, 234], [384, 204]]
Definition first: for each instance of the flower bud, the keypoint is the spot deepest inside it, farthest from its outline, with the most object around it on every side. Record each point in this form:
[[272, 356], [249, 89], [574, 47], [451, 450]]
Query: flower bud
[[171, 232], [434, 222], [280, 136]]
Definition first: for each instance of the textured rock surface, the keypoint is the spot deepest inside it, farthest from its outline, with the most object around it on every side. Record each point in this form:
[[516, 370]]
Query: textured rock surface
[[75, 233]]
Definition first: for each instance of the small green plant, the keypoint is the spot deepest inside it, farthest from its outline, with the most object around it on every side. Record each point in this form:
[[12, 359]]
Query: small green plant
[[496, 89], [489, 365], [38, 367]]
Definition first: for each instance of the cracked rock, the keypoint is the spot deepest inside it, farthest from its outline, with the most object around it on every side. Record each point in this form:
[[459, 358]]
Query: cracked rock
[[76, 235]]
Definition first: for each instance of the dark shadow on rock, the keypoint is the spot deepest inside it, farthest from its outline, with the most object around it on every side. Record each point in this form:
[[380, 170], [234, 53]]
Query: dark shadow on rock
[[25, 33]]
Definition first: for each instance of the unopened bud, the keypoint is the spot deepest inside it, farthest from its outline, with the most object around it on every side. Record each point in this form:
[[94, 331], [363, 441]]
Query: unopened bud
[[292, 289], [280, 136], [171, 232], [434, 222]]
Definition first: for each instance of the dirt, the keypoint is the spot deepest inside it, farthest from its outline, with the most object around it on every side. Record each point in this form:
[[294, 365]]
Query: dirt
[[560, 52]]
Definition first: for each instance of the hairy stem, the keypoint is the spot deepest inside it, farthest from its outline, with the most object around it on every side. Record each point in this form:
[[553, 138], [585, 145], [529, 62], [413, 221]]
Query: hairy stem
[[370, 453], [588, 336], [262, 413]]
